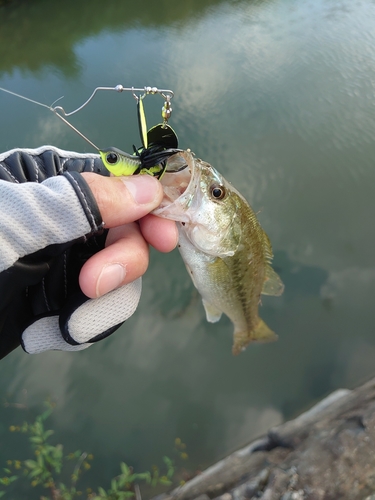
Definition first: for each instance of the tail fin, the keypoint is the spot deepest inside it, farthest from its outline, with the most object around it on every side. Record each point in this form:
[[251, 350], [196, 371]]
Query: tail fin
[[262, 333]]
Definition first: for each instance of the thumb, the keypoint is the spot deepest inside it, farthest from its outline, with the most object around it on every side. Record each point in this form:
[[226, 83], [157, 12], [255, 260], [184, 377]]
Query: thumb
[[124, 199]]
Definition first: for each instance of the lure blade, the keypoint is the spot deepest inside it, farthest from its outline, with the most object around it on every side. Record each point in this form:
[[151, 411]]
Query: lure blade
[[142, 123], [162, 135]]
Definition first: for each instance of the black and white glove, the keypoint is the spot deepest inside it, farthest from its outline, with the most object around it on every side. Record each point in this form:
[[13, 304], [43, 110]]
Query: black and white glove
[[50, 226]]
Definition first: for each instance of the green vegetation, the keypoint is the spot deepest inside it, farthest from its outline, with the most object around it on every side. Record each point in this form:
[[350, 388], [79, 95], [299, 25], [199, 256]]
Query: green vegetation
[[49, 462]]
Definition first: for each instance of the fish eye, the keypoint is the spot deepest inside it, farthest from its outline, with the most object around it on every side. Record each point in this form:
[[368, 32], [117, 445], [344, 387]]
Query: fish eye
[[218, 192], [112, 158]]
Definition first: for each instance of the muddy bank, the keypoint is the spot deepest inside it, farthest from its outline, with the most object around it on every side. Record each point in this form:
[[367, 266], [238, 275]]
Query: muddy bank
[[326, 453]]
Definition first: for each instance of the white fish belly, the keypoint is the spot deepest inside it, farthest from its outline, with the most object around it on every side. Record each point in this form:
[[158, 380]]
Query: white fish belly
[[216, 289]]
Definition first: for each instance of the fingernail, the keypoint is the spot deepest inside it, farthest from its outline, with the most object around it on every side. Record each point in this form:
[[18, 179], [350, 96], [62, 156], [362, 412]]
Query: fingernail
[[111, 277], [143, 188]]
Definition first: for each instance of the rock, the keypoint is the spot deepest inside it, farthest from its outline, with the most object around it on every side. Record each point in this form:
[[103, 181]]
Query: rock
[[326, 453], [225, 496]]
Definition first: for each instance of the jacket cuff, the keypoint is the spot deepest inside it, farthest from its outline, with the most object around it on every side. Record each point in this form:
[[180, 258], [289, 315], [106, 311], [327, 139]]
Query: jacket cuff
[[87, 200]]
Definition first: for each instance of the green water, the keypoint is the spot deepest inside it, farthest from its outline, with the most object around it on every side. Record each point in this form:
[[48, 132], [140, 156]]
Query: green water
[[279, 96]]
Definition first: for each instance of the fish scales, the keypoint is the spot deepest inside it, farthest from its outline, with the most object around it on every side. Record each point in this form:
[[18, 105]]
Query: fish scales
[[243, 276]]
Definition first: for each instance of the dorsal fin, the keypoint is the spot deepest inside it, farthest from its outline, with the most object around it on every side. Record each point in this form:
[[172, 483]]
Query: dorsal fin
[[267, 248]]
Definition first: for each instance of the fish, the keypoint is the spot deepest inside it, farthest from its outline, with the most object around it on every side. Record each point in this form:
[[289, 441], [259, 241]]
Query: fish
[[225, 250]]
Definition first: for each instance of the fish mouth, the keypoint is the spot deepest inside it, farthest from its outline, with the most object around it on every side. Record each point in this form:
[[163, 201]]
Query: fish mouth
[[180, 184]]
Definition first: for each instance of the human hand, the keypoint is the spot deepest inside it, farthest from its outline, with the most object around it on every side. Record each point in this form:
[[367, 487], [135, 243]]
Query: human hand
[[47, 263], [121, 201]]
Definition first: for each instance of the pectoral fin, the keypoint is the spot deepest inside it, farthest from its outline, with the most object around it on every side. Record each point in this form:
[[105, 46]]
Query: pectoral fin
[[212, 313], [262, 333], [272, 284]]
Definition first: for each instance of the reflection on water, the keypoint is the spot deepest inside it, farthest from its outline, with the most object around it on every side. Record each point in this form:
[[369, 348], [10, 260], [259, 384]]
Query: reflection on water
[[43, 35], [279, 96]]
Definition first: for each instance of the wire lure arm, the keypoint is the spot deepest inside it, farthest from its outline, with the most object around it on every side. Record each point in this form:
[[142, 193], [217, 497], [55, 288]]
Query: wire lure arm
[[55, 110], [166, 94], [60, 111]]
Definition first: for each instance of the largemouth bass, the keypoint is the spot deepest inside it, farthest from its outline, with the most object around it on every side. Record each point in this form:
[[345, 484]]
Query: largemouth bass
[[225, 250]]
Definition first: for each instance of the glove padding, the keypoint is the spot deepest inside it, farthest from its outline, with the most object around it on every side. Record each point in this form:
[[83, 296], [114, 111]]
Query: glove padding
[[42, 306]]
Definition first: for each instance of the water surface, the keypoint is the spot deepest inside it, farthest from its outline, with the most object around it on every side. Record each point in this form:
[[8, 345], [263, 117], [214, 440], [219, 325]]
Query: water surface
[[279, 96]]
